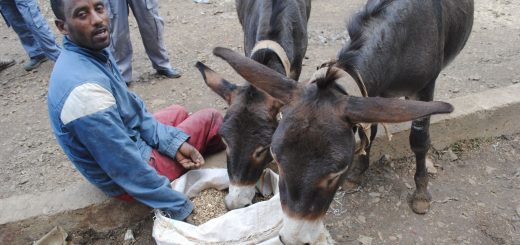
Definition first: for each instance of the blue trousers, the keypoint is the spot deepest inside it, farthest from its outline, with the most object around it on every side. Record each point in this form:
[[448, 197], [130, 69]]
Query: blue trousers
[[26, 20], [151, 27]]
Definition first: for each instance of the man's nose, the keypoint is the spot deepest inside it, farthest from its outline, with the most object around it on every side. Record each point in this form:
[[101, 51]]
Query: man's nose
[[97, 18]]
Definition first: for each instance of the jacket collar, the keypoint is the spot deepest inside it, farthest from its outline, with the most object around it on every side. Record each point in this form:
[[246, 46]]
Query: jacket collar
[[102, 55]]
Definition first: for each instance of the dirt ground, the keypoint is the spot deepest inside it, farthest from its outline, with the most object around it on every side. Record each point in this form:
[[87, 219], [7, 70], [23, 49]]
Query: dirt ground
[[476, 200], [472, 206]]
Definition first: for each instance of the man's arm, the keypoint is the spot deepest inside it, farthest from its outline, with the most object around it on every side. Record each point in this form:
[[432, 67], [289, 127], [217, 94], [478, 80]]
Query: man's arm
[[166, 139], [90, 113]]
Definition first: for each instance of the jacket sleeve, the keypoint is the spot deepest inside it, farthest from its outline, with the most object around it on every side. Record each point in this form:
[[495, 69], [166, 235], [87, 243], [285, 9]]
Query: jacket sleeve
[[166, 139], [90, 114]]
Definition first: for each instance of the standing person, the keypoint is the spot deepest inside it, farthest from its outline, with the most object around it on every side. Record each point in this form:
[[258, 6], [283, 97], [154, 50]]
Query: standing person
[[105, 129], [151, 27], [32, 29]]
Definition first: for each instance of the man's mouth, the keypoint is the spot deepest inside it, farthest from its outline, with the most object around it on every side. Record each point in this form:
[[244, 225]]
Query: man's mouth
[[101, 32]]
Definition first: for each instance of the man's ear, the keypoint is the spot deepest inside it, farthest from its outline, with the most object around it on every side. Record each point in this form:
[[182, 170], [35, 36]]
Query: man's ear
[[60, 24]]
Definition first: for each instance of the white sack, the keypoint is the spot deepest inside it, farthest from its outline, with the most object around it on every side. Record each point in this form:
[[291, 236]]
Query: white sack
[[257, 224]]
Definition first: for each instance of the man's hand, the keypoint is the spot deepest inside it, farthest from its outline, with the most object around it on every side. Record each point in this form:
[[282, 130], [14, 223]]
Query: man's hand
[[189, 157]]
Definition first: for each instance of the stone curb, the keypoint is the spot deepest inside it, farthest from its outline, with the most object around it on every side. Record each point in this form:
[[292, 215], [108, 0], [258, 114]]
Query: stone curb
[[491, 113]]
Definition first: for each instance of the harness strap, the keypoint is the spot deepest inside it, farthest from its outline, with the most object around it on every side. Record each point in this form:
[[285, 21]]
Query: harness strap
[[280, 52], [277, 49]]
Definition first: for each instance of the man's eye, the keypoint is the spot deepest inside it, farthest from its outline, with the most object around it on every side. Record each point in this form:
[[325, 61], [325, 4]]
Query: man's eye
[[100, 8], [81, 14]]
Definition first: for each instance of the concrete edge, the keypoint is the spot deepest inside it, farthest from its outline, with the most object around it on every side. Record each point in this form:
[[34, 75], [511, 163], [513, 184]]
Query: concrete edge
[[79, 195], [490, 113]]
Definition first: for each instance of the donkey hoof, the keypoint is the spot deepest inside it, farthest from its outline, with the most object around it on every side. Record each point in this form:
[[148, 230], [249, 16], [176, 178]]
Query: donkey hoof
[[351, 187], [421, 203], [420, 206]]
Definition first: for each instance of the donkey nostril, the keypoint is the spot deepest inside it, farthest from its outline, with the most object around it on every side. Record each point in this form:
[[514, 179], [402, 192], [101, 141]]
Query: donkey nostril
[[247, 205], [226, 205], [281, 240]]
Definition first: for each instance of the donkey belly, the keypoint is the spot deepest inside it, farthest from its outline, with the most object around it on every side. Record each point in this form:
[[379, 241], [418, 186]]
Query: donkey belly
[[458, 21], [408, 85], [409, 92]]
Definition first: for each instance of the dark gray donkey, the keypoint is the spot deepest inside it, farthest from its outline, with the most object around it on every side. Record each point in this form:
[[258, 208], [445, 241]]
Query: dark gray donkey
[[275, 34], [397, 48]]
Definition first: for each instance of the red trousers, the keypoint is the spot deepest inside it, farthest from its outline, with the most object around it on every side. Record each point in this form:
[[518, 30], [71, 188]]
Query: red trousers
[[202, 127]]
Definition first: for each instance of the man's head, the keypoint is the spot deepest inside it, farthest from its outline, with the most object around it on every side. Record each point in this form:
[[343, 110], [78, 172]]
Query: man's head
[[85, 22]]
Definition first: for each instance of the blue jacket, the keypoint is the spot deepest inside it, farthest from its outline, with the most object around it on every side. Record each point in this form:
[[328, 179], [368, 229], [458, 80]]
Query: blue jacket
[[106, 132]]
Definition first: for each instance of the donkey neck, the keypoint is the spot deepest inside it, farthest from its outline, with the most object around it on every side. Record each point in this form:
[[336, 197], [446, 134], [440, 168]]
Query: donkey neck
[[265, 20], [397, 47]]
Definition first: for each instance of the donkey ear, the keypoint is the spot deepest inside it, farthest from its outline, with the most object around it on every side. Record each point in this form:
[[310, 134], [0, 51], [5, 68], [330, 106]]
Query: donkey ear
[[385, 110], [219, 85], [260, 76]]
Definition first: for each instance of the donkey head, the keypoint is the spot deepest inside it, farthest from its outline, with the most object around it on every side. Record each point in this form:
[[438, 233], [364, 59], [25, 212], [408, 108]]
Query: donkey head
[[247, 128], [314, 142]]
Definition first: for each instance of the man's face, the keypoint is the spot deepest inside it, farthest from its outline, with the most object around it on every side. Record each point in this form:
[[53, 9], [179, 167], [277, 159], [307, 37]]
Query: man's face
[[86, 23]]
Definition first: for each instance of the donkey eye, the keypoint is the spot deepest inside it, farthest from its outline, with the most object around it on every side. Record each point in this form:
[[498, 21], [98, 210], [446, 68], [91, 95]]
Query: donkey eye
[[261, 152], [228, 150], [224, 141], [272, 154], [333, 181]]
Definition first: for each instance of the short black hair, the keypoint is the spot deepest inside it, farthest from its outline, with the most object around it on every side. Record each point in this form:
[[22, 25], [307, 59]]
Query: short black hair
[[57, 8]]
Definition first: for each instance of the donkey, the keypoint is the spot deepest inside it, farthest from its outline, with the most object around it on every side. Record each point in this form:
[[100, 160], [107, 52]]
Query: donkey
[[275, 34], [397, 48]]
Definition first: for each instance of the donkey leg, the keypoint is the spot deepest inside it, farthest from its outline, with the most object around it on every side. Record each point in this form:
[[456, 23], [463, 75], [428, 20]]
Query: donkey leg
[[359, 166], [420, 144]]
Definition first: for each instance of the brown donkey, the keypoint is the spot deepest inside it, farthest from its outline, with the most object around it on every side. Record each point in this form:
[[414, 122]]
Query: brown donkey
[[397, 48], [275, 34]]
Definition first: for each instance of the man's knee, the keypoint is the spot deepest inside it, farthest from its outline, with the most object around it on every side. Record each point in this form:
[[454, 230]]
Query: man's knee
[[213, 114], [172, 114], [177, 109], [174, 110]]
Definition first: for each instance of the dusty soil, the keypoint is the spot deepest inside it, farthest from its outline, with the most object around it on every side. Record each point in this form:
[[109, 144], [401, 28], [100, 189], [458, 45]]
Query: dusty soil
[[476, 199], [141, 232], [32, 161]]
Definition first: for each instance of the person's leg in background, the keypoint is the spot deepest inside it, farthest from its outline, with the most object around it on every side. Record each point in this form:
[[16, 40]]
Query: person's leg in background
[[120, 44], [41, 32], [151, 27], [16, 21], [202, 127]]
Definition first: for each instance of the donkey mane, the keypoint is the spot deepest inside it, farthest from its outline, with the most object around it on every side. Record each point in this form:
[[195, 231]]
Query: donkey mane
[[276, 25], [253, 95], [348, 55], [280, 14], [324, 80]]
